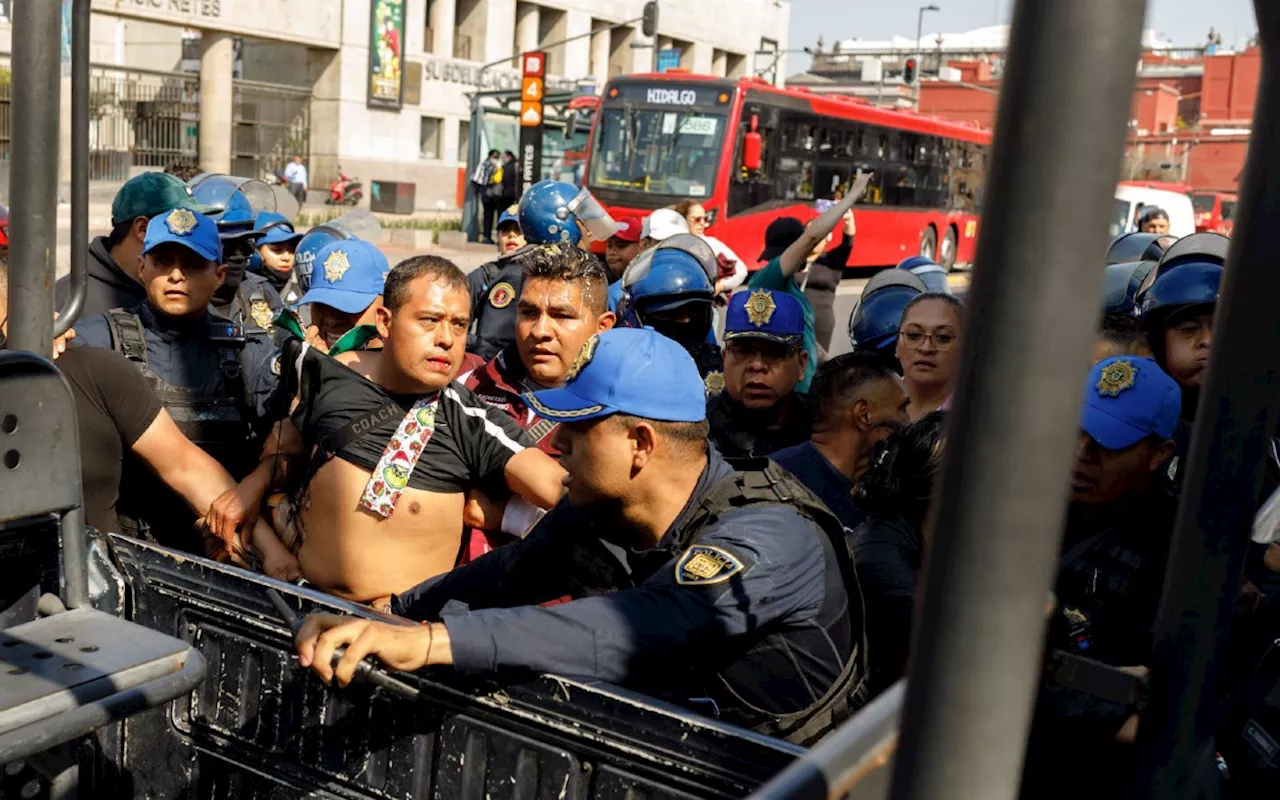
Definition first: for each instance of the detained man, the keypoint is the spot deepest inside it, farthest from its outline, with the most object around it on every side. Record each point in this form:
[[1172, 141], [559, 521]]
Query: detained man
[[395, 445], [758, 409]]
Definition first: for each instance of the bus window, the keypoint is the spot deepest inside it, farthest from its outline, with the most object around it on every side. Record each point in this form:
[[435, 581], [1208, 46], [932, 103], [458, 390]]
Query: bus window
[[1228, 210], [658, 152], [749, 190]]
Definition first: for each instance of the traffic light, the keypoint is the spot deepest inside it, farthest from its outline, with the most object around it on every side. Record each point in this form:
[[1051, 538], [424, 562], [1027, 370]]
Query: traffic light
[[649, 25], [909, 72]]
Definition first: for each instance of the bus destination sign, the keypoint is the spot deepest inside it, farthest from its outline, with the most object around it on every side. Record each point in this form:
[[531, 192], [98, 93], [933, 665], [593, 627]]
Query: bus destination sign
[[679, 95]]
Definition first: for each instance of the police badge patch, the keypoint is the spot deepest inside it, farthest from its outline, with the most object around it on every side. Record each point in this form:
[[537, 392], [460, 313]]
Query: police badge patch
[[714, 382], [275, 365], [583, 358], [180, 221], [335, 266], [1117, 377], [260, 310], [501, 295], [760, 307], [703, 565]]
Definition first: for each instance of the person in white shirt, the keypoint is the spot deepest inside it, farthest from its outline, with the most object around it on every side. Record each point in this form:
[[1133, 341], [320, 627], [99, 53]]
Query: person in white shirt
[[295, 175]]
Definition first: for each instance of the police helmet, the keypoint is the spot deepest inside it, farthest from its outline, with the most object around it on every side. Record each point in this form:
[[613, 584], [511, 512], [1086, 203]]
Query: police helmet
[[874, 323], [661, 280], [357, 224], [551, 210], [1131, 247], [1204, 246], [1181, 287], [1120, 289], [933, 274], [697, 247], [240, 200]]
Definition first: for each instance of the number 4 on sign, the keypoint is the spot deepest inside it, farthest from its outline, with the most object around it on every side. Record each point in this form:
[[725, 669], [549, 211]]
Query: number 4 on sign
[[532, 89]]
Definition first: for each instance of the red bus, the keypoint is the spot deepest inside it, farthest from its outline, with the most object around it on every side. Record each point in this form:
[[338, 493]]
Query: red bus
[[661, 138], [1215, 211]]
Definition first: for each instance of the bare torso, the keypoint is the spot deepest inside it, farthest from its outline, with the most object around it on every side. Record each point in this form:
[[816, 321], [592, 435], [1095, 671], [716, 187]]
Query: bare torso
[[353, 553]]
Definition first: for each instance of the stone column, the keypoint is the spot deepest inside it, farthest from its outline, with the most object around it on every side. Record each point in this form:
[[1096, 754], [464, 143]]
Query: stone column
[[600, 52], [217, 57], [528, 20], [443, 18], [325, 71]]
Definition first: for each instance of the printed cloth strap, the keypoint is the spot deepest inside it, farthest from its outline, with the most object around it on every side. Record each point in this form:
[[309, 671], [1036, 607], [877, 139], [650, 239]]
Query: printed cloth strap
[[391, 475]]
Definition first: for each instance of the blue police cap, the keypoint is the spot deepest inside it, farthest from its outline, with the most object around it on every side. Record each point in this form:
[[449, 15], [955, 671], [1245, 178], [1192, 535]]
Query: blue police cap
[[276, 228], [510, 214], [635, 371], [1127, 399], [764, 314], [349, 275], [874, 323], [193, 230]]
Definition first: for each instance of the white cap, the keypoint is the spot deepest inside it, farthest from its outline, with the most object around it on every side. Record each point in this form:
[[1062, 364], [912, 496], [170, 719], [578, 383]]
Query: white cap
[[663, 223]]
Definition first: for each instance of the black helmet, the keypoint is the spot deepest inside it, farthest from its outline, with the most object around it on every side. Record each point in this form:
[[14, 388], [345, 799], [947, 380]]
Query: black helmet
[[1138, 247], [1205, 246], [1123, 280], [1187, 277]]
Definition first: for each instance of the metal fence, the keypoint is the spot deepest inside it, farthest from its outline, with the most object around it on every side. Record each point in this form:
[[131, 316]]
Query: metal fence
[[141, 118], [270, 123]]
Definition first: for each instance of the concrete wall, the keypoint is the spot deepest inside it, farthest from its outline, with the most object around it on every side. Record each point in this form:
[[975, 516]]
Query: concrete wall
[[1230, 87], [312, 22], [960, 103]]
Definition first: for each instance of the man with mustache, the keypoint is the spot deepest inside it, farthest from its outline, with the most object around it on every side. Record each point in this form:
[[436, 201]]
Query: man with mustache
[[758, 409]]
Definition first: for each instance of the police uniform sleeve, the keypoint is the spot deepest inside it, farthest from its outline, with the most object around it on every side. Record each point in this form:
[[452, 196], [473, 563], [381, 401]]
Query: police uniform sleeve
[[263, 365], [753, 567], [489, 439]]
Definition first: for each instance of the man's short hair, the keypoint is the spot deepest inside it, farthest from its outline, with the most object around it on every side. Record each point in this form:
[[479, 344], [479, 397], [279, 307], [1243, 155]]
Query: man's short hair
[[684, 437], [838, 380], [396, 291], [118, 233], [567, 263], [1125, 332]]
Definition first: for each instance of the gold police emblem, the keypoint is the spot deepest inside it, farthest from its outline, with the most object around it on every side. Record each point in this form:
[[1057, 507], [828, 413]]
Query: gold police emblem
[[335, 266], [760, 308], [583, 358], [181, 222], [714, 382], [260, 310], [513, 209], [502, 295], [703, 565], [1117, 377]]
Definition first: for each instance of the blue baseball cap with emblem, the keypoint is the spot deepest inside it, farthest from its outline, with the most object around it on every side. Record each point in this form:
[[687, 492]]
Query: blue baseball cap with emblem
[[1127, 399], [191, 229], [276, 229], [764, 314], [510, 214], [349, 275], [635, 371]]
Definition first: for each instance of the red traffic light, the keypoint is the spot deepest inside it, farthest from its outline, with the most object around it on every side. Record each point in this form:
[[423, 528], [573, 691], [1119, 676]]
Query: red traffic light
[[909, 71]]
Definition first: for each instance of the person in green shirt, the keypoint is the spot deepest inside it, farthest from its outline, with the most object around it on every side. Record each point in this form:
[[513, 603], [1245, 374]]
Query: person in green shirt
[[786, 260]]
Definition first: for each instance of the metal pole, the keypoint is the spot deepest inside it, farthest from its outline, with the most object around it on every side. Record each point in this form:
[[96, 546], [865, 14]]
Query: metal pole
[[37, 49], [997, 517], [79, 167], [1222, 485]]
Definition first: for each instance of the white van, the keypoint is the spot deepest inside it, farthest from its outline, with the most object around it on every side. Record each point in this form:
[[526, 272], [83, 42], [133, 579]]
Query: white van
[[1130, 199]]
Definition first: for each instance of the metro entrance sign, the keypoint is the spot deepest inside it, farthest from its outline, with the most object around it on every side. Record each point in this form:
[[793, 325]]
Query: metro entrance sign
[[532, 92]]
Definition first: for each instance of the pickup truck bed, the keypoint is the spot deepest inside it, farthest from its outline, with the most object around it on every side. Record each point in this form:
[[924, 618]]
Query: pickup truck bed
[[260, 727]]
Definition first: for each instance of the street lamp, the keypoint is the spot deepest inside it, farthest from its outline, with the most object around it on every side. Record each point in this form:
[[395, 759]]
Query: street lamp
[[919, 36]]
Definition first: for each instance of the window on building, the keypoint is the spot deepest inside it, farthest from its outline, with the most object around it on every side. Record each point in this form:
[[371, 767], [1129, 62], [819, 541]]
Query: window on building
[[429, 137], [428, 30]]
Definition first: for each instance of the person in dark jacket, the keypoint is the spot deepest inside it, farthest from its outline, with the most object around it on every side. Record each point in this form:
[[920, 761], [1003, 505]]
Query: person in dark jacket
[[510, 180], [494, 288], [857, 401], [114, 259], [888, 548]]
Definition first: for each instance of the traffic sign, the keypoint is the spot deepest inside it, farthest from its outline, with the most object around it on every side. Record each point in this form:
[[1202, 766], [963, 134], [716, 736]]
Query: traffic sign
[[531, 91], [668, 59], [535, 65], [530, 115]]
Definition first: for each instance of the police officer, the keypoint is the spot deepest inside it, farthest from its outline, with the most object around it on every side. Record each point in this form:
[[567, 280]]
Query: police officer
[[1120, 332], [758, 409], [218, 383], [873, 325], [495, 286], [930, 272], [1176, 304], [668, 289], [682, 586], [273, 255], [246, 298]]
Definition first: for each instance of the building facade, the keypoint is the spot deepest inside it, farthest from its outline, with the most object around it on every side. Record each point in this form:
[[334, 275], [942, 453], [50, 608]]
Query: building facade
[[378, 87]]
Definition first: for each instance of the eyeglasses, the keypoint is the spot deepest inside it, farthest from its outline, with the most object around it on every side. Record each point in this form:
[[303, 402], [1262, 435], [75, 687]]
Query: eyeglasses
[[703, 219], [941, 340]]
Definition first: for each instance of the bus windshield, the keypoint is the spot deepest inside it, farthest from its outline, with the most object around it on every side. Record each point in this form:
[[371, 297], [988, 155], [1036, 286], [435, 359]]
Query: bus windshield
[[657, 152]]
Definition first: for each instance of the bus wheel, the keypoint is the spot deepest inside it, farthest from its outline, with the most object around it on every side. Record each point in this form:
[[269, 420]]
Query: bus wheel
[[929, 243], [947, 253]]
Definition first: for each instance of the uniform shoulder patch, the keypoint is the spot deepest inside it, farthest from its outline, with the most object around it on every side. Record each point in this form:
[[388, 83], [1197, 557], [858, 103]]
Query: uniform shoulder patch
[[703, 565], [500, 296], [714, 382]]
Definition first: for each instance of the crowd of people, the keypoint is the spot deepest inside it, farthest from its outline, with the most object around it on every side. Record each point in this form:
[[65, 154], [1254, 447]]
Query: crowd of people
[[557, 464]]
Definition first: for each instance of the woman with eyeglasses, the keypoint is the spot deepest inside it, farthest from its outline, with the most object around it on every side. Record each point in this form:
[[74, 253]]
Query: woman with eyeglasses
[[732, 269], [928, 342]]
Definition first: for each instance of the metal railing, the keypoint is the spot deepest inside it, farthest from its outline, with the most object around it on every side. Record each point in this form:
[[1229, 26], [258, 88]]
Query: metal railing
[[140, 118], [270, 123]]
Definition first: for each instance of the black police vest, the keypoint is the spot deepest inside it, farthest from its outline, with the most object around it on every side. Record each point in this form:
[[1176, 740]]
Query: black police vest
[[742, 660], [217, 418], [255, 305]]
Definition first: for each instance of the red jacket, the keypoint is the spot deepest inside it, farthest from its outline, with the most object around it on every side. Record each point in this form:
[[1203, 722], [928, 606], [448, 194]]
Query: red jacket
[[496, 384]]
